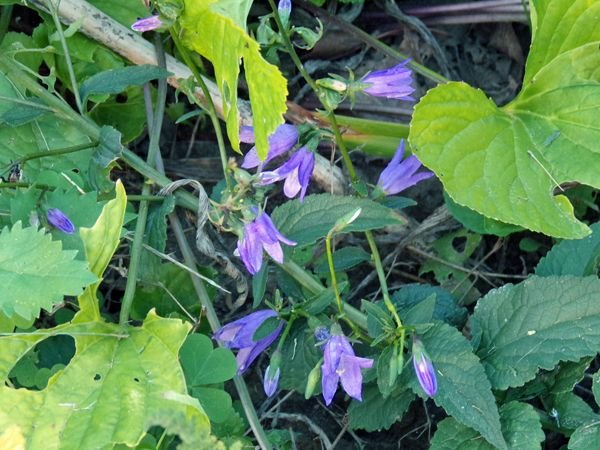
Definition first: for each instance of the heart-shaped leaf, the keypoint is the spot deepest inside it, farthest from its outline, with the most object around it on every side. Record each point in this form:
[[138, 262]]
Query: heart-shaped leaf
[[506, 162]]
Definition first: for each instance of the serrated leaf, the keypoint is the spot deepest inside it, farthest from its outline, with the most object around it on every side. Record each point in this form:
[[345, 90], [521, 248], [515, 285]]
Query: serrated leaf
[[216, 30], [506, 162], [571, 411], [577, 257], [377, 413], [596, 387], [299, 356], [128, 376], [586, 437], [36, 273], [518, 329], [464, 390], [306, 222], [204, 365], [520, 425]]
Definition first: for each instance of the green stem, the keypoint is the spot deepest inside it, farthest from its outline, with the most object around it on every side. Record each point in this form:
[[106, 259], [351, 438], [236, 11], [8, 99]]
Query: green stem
[[375, 43], [209, 108], [338, 299], [5, 16], [382, 280], [58, 151], [140, 228], [213, 321], [63, 42]]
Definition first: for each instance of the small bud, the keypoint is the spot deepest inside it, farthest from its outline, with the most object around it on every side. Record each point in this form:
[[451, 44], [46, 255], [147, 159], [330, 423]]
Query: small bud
[[333, 84], [346, 220], [60, 221], [271, 380], [284, 8], [424, 368], [313, 379], [321, 334], [147, 24]]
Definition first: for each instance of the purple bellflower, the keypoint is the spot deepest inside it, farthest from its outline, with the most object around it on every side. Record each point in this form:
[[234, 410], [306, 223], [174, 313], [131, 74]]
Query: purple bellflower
[[147, 24], [283, 139], [296, 172], [239, 335], [340, 364], [424, 368], [60, 221], [395, 82], [258, 235], [399, 174]]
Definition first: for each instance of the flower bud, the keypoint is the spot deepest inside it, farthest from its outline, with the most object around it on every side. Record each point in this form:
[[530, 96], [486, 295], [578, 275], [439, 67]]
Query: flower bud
[[60, 221], [313, 379], [424, 368]]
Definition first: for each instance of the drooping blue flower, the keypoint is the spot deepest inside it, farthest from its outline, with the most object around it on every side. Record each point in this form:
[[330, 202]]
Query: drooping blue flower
[[401, 174], [395, 82], [258, 235], [271, 380], [296, 172], [147, 24], [239, 335], [341, 364], [424, 368], [283, 139], [60, 221]]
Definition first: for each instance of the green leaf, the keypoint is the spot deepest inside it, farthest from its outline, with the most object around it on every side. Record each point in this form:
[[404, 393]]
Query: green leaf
[[117, 80], [299, 356], [571, 411], [204, 365], [36, 273], [130, 377], [518, 329], [376, 413], [216, 30], [124, 11], [343, 259], [596, 387], [446, 308], [506, 162], [585, 437], [306, 222], [477, 222], [572, 257], [464, 391], [520, 425]]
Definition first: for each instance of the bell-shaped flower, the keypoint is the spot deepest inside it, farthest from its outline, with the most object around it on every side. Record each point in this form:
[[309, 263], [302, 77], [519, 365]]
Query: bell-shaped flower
[[296, 172], [283, 139], [259, 235], [60, 221], [395, 82], [341, 364], [424, 368], [147, 24], [240, 335], [401, 174]]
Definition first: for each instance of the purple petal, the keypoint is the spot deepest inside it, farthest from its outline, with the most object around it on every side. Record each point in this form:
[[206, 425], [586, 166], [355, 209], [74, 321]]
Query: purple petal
[[250, 249], [247, 134], [329, 384], [248, 326], [269, 228], [424, 368], [60, 221], [271, 382], [351, 376], [283, 139], [147, 24], [253, 352], [400, 175], [395, 82]]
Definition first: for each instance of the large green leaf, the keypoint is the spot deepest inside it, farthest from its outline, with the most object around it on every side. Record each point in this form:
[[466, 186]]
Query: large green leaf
[[506, 162], [306, 222], [35, 272], [520, 425], [120, 382], [463, 388], [376, 413], [577, 257], [216, 29], [518, 329]]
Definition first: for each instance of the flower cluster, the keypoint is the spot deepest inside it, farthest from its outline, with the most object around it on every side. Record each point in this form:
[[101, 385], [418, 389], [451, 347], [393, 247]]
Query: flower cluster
[[401, 174]]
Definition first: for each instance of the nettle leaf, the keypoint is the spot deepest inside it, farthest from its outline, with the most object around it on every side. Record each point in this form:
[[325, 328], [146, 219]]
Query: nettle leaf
[[217, 30], [36, 273], [129, 377], [518, 329], [578, 257], [586, 437], [376, 413], [520, 425], [506, 162], [464, 390], [308, 221]]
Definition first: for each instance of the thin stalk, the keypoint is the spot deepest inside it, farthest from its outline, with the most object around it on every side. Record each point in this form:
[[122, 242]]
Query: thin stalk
[[140, 228], [338, 299], [382, 280], [210, 108], [5, 16], [374, 42], [59, 151], [213, 321], [63, 43]]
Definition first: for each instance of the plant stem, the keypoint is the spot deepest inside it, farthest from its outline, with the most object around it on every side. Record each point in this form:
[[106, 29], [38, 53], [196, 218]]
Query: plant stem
[[63, 43], [338, 299], [59, 151], [382, 280], [213, 321], [140, 228], [5, 16], [210, 108]]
